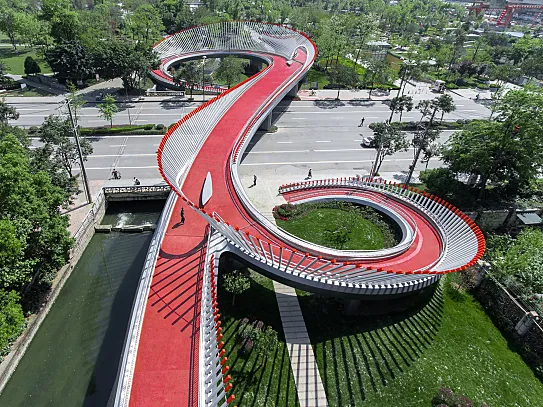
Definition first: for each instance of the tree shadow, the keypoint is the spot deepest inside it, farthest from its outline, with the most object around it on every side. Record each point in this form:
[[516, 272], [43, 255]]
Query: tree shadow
[[328, 103], [361, 102], [175, 103]]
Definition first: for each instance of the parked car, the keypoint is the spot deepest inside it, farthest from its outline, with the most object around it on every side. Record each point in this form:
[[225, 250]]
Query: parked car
[[368, 141]]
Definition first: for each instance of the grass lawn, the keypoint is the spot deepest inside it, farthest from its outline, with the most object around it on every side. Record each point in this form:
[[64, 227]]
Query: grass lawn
[[402, 360], [273, 383], [314, 227], [15, 62], [28, 92]]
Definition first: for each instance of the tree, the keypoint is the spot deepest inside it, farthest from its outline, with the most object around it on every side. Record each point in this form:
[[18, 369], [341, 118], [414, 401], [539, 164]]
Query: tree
[[29, 211], [399, 104], [443, 103], [364, 28], [236, 283], [71, 61], [379, 71], [7, 112], [389, 139], [35, 32], [188, 72], [145, 24], [65, 26], [266, 342], [432, 150], [56, 134], [31, 66], [108, 108], [11, 13], [342, 76], [230, 69], [122, 59]]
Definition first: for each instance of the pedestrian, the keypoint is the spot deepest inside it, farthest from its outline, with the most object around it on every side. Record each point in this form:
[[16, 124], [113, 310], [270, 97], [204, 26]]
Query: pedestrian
[[136, 181], [115, 174], [477, 97], [309, 174], [362, 122], [182, 216], [254, 180]]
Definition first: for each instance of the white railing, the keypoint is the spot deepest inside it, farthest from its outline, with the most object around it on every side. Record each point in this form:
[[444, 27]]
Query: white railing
[[213, 379], [130, 348], [463, 242]]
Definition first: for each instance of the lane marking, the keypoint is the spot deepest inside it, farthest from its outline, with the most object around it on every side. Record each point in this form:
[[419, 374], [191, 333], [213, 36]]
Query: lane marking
[[118, 145], [120, 155], [323, 141], [299, 118], [126, 168], [284, 142], [279, 152], [326, 162]]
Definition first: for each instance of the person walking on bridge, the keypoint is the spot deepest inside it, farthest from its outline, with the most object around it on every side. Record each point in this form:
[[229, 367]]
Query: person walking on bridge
[[309, 174], [254, 180], [182, 216]]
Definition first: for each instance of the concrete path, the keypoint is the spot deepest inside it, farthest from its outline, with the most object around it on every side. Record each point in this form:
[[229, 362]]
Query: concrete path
[[302, 360]]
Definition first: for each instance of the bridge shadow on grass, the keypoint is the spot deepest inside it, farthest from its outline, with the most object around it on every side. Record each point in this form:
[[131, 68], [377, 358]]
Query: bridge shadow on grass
[[257, 380], [361, 355]]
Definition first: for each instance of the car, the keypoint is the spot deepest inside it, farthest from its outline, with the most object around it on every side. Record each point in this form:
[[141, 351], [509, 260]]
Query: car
[[368, 141]]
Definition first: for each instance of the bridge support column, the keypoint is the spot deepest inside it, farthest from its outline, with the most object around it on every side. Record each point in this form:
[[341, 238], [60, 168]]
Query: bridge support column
[[255, 66], [267, 123], [293, 92], [351, 307]]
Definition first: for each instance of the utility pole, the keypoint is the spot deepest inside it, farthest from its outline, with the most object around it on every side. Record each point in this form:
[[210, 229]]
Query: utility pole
[[83, 171]]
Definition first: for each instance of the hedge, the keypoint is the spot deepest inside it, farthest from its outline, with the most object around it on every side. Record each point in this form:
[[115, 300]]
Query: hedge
[[137, 129]]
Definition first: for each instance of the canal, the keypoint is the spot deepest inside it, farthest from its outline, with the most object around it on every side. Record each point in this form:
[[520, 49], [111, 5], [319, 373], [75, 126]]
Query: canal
[[73, 359]]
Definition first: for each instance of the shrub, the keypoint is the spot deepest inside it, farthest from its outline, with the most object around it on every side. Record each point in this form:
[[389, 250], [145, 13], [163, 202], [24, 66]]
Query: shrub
[[443, 396], [284, 211], [33, 129], [12, 321], [159, 127], [462, 401], [31, 66], [148, 126]]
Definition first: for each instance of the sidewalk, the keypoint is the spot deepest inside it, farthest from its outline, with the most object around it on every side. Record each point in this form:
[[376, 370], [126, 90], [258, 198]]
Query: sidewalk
[[419, 92]]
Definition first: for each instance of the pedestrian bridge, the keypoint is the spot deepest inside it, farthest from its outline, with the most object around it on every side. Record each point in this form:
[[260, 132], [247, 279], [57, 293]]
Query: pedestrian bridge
[[173, 353]]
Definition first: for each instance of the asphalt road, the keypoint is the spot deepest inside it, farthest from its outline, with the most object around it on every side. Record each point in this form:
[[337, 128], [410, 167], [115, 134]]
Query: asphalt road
[[323, 136]]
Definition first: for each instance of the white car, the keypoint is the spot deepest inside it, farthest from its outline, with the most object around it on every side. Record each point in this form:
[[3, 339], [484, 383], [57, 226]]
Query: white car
[[368, 141]]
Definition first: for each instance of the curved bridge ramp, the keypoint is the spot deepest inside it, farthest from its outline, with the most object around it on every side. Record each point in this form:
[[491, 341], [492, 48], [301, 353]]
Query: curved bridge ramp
[[176, 356]]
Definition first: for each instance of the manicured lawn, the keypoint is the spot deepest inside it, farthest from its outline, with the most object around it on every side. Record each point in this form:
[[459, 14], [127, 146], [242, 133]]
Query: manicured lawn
[[273, 383], [401, 360], [15, 62], [315, 226]]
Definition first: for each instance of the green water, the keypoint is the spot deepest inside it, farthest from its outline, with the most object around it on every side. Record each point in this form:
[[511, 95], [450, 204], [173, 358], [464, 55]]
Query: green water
[[74, 356]]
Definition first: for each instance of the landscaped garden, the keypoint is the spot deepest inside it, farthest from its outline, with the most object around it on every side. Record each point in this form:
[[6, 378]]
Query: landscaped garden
[[339, 225], [258, 378], [403, 359]]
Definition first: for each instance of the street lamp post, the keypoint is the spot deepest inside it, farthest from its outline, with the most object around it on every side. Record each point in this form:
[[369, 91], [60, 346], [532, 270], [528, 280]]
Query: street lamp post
[[203, 77]]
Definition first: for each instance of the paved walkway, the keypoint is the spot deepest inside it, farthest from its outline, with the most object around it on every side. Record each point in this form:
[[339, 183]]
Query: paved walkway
[[302, 360]]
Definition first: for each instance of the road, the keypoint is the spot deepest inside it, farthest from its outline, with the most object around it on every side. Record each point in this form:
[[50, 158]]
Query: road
[[320, 135]]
